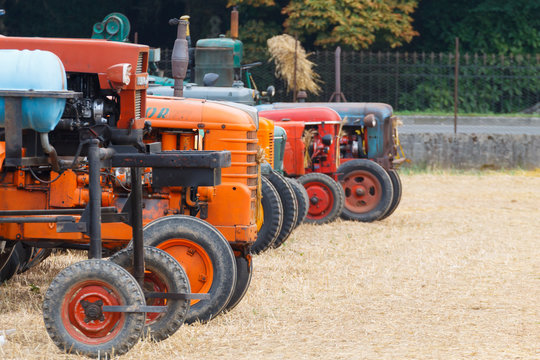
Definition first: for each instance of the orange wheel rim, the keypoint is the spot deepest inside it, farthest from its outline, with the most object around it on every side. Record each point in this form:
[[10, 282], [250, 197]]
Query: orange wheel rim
[[195, 261], [260, 217]]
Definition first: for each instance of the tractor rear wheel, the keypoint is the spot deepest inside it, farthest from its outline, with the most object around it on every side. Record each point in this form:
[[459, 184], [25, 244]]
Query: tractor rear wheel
[[73, 309], [398, 190], [325, 198], [289, 204], [205, 255], [302, 199], [244, 271], [368, 190], [272, 218], [163, 274]]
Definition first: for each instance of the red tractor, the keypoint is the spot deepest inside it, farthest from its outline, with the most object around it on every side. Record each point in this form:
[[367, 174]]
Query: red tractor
[[339, 143]]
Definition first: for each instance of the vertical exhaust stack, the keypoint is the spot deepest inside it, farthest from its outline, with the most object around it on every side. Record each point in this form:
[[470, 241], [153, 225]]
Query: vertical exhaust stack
[[180, 56], [234, 23]]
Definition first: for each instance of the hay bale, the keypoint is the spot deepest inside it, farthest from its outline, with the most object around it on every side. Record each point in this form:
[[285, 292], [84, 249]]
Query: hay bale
[[282, 52]]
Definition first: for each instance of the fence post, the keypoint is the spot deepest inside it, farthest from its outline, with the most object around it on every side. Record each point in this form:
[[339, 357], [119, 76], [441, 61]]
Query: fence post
[[295, 57], [337, 94], [456, 75], [397, 80]]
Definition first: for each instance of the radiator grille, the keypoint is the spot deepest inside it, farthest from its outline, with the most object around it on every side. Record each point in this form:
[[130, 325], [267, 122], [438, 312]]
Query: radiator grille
[[270, 152], [138, 109], [140, 63]]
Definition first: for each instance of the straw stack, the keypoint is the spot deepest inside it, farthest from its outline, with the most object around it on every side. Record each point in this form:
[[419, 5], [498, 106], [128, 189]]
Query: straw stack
[[282, 52]]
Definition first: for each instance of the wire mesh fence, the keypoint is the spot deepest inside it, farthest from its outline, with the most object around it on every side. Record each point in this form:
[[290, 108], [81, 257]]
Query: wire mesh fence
[[419, 81]]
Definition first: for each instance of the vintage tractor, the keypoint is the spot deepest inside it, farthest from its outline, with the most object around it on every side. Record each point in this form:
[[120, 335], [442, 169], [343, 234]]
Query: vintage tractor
[[223, 56], [179, 124], [69, 140], [276, 208], [361, 151], [310, 155]]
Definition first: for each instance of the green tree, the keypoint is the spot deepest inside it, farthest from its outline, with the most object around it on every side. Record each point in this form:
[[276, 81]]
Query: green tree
[[353, 23], [489, 26]]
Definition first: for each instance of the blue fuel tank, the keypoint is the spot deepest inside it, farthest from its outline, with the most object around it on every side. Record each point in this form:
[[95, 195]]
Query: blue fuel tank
[[33, 70]]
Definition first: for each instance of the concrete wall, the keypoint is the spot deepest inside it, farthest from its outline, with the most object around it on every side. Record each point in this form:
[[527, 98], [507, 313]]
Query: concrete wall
[[481, 142], [472, 151]]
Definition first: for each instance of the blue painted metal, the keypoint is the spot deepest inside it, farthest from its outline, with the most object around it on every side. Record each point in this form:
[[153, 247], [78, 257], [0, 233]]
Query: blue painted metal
[[238, 94], [114, 27], [34, 70]]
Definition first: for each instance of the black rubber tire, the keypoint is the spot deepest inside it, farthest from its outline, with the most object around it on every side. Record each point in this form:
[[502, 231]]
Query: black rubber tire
[[216, 247], [273, 218], [119, 281], [289, 204], [397, 187], [362, 171], [35, 256], [301, 198], [335, 190], [158, 264], [10, 260], [244, 272]]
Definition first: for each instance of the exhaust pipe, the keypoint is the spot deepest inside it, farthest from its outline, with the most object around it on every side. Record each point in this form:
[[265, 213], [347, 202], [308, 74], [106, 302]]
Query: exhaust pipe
[[234, 23], [49, 150], [180, 56]]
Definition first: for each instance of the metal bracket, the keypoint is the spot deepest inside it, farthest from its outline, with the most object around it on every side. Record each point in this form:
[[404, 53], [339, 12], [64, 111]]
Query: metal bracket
[[71, 227], [135, 309], [177, 296]]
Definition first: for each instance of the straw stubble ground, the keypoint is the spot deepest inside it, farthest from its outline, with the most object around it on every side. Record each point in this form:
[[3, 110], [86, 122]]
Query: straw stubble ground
[[454, 273]]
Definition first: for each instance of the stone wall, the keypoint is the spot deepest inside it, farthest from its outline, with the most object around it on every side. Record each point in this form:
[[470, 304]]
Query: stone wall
[[472, 151]]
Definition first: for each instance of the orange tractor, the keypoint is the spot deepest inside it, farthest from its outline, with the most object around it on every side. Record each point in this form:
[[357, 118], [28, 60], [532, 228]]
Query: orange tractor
[[69, 142], [184, 124], [269, 212]]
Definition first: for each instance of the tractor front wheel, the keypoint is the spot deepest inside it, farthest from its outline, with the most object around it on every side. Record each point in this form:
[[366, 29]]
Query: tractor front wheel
[[368, 190], [302, 199], [289, 204], [244, 271], [163, 274], [325, 198], [73, 309], [272, 210], [205, 255], [398, 190]]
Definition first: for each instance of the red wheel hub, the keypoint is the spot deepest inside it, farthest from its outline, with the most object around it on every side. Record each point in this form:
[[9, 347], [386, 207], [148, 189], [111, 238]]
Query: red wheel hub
[[321, 200], [363, 191], [82, 316]]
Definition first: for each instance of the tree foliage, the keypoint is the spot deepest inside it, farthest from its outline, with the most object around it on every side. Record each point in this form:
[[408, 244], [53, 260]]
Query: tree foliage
[[353, 23], [489, 26], [356, 23]]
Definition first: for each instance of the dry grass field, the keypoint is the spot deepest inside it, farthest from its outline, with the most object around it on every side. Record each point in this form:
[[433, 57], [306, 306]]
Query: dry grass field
[[454, 273]]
